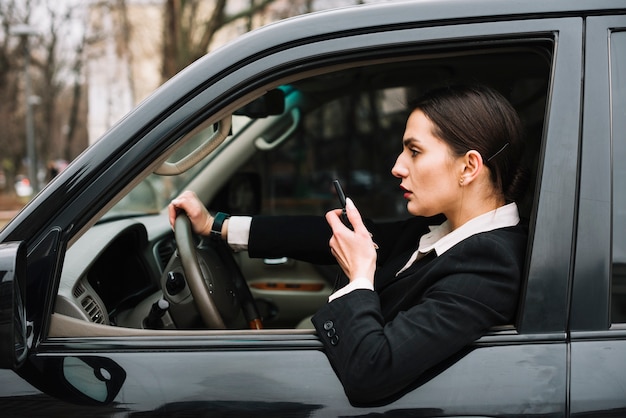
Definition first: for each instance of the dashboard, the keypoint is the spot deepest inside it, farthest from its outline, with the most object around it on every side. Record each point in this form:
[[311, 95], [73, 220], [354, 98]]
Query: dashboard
[[114, 269]]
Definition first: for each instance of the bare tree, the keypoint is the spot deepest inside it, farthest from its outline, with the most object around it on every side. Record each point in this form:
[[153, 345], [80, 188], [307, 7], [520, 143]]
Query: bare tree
[[12, 50], [76, 120], [53, 62], [61, 77], [50, 85], [191, 25]]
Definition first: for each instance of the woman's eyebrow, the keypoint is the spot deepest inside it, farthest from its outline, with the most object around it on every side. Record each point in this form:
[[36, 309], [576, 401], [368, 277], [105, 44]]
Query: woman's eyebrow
[[408, 141]]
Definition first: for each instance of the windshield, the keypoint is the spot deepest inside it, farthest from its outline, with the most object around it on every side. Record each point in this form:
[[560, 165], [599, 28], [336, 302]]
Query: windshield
[[156, 191]]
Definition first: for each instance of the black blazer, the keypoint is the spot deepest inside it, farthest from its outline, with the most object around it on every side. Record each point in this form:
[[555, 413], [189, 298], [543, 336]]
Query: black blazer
[[381, 342]]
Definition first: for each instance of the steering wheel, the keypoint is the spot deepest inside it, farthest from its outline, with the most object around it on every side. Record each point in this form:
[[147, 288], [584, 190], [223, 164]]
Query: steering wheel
[[214, 278]]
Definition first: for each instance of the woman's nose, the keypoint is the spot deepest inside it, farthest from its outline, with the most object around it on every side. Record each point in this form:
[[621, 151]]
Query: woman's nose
[[398, 169]]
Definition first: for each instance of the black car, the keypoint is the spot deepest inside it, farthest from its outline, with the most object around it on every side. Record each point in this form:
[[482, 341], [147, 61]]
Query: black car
[[96, 313]]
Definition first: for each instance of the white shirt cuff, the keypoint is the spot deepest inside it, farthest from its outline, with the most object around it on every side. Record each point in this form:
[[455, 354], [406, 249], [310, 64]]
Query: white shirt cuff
[[239, 232], [358, 283]]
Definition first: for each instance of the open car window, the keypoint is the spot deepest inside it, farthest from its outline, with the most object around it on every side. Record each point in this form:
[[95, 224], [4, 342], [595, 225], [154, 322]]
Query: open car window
[[342, 124]]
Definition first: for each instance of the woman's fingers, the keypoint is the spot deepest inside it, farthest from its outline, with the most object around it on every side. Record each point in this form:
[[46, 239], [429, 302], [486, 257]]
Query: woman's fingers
[[198, 215], [354, 216], [353, 249]]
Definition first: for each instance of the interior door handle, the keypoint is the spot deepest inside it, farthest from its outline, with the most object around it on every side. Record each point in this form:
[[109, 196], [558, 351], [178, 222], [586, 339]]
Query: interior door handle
[[262, 144]]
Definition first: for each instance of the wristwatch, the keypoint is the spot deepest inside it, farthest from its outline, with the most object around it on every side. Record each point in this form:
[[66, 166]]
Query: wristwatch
[[218, 222]]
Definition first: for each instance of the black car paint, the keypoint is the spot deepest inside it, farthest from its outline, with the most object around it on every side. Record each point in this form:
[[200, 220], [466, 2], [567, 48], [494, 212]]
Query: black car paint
[[561, 360]]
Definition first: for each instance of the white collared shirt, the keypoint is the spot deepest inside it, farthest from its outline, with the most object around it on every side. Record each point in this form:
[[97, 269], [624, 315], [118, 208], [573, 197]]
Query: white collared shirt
[[440, 239]]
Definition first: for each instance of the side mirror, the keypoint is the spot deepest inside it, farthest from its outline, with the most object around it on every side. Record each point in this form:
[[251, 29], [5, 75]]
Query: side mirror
[[13, 330]]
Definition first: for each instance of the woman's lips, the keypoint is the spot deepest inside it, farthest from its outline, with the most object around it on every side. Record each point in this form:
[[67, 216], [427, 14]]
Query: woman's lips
[[407, 193]]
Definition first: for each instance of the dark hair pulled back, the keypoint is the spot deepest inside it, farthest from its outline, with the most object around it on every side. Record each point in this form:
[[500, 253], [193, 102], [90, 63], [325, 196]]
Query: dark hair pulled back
[[480, 118]]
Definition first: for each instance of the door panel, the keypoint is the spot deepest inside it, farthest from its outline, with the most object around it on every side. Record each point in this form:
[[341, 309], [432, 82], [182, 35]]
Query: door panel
[[598, 381], [286, 290], [297, 380]]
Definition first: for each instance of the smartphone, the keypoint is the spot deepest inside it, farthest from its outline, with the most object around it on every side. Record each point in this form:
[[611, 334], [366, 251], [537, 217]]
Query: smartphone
[[342, 202]]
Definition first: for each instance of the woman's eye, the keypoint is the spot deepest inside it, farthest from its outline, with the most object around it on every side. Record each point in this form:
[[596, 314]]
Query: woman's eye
[[414, 152]]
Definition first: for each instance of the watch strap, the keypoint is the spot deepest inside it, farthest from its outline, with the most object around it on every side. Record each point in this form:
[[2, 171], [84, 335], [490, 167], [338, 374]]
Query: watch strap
[[218, 222]]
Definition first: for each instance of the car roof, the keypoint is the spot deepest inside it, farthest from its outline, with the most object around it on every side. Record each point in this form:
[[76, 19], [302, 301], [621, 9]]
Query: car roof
[[378, 14], [414, 12]]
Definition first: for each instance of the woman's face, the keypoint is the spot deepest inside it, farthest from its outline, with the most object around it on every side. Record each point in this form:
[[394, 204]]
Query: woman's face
[[428, 170]]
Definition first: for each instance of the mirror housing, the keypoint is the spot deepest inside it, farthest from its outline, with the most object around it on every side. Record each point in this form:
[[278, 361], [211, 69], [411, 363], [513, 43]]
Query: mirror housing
[[13, 329], [271, 103]]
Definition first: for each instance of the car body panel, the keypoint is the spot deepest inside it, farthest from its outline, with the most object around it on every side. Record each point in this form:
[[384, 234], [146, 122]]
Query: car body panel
[[465, 387]]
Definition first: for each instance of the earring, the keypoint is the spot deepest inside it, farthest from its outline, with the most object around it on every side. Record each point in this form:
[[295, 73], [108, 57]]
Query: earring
[[461, 180]]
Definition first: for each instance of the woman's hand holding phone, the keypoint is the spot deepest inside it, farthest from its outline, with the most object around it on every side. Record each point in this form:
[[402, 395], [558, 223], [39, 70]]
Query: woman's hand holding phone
[[351, 243]]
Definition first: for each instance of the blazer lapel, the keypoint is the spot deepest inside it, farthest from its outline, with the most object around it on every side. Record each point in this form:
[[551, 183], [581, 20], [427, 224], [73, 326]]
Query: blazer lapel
[[392, 268]]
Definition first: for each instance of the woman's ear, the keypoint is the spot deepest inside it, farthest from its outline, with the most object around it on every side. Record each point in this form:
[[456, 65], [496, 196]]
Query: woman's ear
[[472, 166]]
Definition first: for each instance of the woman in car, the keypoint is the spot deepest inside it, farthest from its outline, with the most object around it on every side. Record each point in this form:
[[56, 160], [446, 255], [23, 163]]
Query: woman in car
[[415, 292]]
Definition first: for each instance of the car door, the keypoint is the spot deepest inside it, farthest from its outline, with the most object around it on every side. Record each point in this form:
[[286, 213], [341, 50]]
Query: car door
[[598, 325], [518, 370]]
